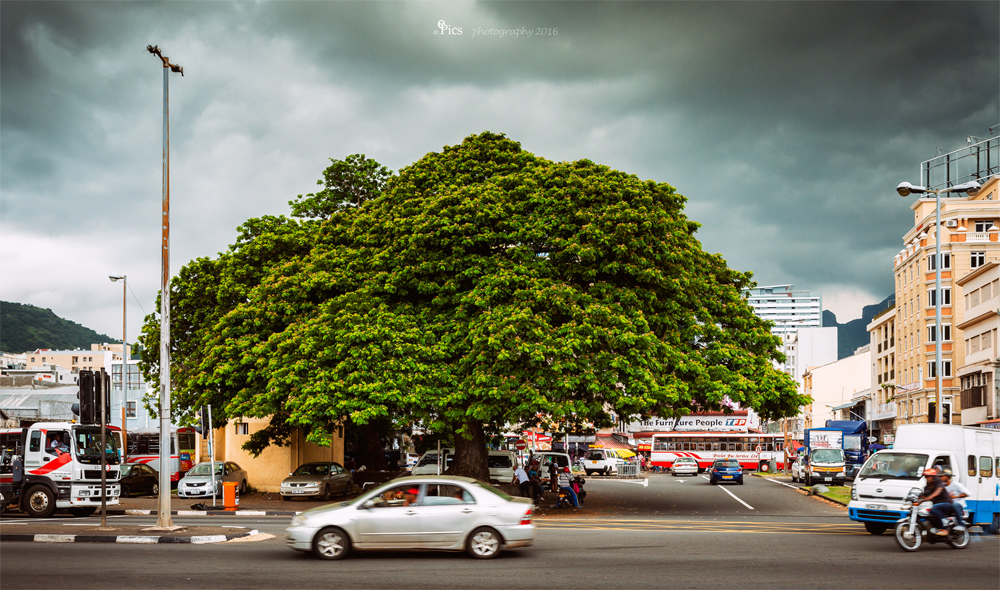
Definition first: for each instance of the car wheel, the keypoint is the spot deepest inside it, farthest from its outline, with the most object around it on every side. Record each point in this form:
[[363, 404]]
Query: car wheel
[[126, 492], [286, 498], [331, 543], [326, 493], [84, 511], [156, 489], [483, 543], [876, 528], [243, 487], [39, 502]]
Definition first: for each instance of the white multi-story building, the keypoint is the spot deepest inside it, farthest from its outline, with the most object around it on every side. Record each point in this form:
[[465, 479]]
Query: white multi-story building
[[790, 311]]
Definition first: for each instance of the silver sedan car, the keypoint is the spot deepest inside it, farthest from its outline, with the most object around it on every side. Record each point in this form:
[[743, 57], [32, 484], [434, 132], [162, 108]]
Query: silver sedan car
[[684, 466], [418, 512], [321, 479]]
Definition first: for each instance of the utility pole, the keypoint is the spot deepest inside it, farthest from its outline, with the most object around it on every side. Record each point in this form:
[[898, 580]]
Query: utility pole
[[163, 505]]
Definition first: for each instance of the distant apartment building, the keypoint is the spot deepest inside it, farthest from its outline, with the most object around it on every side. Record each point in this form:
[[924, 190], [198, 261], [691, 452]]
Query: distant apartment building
[[836, 387], [790, 311], [881, 410], [970, 241], [99, 356], [977, 375]]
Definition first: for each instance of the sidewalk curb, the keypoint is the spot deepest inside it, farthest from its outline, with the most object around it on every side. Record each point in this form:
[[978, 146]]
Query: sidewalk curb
[[130, 539], [205, 512]]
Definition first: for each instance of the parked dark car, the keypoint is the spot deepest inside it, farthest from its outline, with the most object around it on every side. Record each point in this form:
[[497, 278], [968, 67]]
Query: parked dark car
[[725, 471], [318, 479], [141, 479]]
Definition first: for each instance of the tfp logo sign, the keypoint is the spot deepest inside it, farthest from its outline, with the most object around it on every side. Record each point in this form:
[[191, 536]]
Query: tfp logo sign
[[736, 422]]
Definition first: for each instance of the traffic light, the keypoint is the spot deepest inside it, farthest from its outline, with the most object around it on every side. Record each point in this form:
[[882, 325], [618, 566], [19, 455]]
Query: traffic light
[[204, 426], [87, 408], [946, 411]]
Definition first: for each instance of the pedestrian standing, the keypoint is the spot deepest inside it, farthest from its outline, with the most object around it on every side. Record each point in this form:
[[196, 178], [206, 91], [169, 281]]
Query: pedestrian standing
[[553, 474], [523, 481]]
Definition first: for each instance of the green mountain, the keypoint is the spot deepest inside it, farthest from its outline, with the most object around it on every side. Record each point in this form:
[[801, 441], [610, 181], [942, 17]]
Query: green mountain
[[854, 334], [25, 327]]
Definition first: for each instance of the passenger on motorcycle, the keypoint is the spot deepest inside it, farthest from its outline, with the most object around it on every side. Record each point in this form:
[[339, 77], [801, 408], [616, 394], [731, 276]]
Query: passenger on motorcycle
[[935, 492], [956, 491]]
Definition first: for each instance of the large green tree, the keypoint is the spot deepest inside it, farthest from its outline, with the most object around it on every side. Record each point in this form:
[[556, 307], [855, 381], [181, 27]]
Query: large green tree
[[485, 286]]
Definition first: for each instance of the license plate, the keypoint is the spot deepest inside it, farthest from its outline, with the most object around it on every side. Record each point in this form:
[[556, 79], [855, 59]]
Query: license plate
[[727, 477], [876, 507], [299, 491]]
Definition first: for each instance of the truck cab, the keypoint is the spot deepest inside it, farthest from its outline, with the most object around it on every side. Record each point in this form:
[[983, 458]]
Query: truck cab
[[825, 466]]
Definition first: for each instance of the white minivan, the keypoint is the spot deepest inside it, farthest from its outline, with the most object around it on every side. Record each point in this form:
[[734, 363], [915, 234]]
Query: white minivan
[[888, 476], [501, 464], [600, 461]]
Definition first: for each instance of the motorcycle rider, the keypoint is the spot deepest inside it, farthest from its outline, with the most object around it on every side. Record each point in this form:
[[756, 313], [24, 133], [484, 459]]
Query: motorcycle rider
[[935, 492], [956, 492]]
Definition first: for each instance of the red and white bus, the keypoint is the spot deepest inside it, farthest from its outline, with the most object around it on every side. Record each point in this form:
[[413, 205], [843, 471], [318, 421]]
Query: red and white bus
[[752, 450], [144, 447]]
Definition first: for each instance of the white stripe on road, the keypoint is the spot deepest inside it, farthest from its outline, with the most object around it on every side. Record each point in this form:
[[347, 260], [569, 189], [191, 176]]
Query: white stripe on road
[[733, 495], [783, 483]]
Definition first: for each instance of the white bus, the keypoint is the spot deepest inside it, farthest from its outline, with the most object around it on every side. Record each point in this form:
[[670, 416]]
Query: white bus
[[753, 450]]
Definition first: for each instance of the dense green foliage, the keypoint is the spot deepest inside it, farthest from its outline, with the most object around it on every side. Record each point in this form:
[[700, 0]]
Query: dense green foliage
[[24, 327], [483, 286]]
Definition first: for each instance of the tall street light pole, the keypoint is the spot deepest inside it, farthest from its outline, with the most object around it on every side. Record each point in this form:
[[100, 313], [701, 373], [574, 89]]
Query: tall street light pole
[[163, 505], [125, 355], [905, 189]]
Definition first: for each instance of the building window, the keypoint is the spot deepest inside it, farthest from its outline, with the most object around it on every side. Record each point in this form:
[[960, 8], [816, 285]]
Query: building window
[[977, 259], [129, 411], [945, 331], [945, 369], [945, 296], [242, 428], [983, 226], [946, 261]]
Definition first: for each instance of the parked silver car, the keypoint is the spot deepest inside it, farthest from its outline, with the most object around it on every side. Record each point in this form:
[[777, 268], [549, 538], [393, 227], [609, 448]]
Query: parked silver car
[[197, 483], [418, 512], [799, 470], [684, 466], [320, 479]]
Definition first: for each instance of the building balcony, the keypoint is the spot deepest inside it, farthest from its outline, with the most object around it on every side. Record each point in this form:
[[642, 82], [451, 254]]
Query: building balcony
[[884, 411]]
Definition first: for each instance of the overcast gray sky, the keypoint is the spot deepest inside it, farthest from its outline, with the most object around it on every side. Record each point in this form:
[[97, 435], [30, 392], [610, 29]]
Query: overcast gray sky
[[786, 124]]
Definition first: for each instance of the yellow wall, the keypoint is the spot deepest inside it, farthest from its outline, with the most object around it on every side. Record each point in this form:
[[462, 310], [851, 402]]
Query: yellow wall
[[266, 471]]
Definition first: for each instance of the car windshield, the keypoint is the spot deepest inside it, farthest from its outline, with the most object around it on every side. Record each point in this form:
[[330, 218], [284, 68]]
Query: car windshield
[[684, 460], [321, 469], [126, 469], [726, 464], [894, 465], [432, 459], [827, 456], [205, 469], [595, 456], [492, 490]]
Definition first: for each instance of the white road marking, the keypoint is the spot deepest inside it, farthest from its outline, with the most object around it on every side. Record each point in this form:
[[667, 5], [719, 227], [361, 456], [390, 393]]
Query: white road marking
[[783, 483], [731, 494]]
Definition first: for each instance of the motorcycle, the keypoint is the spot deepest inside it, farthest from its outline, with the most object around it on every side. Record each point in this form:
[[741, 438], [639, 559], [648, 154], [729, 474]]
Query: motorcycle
[[915, 528], [564, 501]]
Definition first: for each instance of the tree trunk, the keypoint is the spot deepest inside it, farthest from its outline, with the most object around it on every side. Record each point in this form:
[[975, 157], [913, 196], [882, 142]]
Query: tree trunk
[[370, 453], [471, 454]]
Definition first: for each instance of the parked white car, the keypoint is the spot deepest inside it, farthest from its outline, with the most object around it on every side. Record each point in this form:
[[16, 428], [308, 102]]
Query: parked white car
[[601, 461], [799, 469], [684, 466], [424, 512], [197, 482]]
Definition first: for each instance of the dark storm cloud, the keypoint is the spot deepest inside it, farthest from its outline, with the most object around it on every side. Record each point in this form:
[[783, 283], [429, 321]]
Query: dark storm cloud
[[786, 124]]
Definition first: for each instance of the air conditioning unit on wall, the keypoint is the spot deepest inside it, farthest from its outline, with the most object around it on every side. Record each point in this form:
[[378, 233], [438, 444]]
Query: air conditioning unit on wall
[[951, 223]]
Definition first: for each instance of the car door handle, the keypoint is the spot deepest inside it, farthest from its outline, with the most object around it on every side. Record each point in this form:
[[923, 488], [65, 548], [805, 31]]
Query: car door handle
[[466, 511], [411, 512]]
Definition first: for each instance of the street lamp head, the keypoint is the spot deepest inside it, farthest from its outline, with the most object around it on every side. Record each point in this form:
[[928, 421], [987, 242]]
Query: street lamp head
[[904, 189], [115, 279], [970, 188]]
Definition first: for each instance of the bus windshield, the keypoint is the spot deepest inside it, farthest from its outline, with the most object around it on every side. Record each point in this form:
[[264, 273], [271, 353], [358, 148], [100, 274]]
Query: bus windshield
[[889, 465], [88, 445]]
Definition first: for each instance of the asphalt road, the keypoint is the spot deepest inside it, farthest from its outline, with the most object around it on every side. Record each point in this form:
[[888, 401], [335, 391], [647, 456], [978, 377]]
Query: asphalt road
[[673, 532]]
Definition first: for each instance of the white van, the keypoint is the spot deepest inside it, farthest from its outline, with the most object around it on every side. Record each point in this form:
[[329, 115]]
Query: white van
[[603, 461], [888, 476], [501, 464]]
